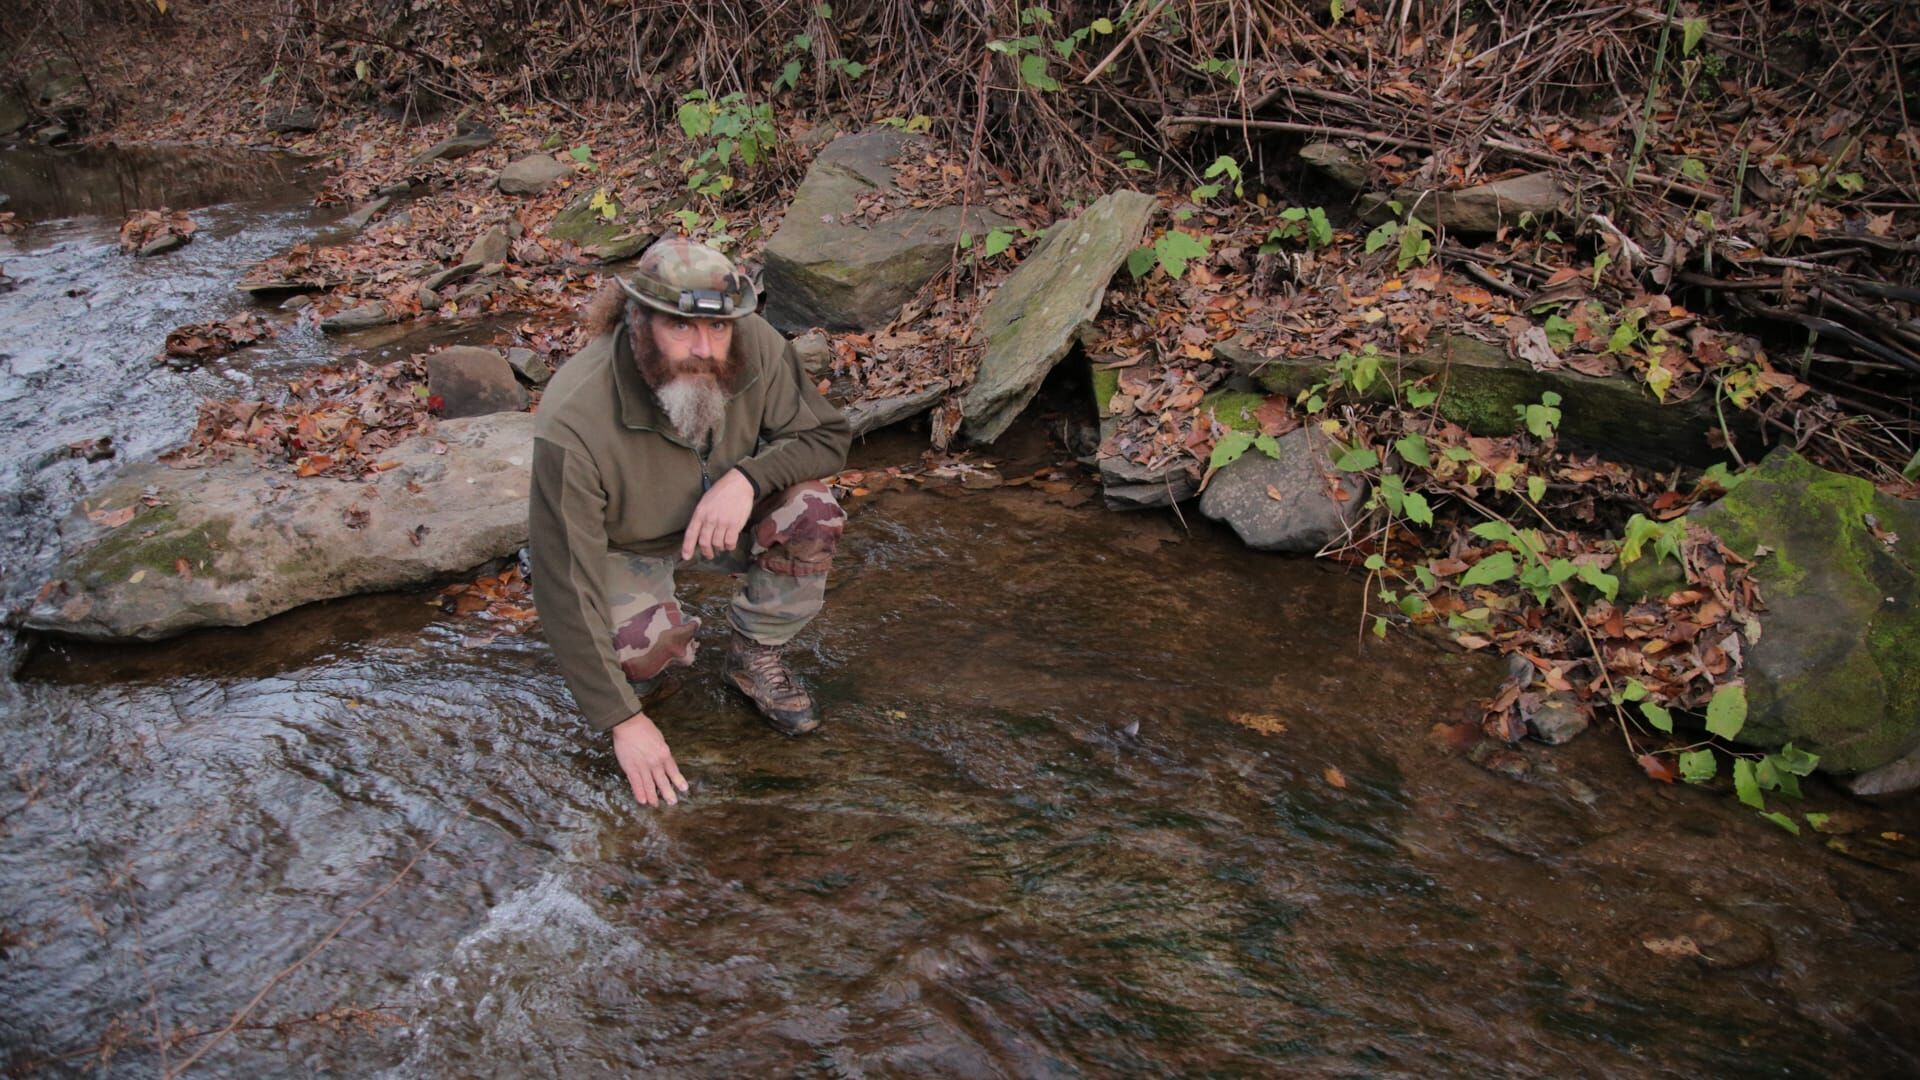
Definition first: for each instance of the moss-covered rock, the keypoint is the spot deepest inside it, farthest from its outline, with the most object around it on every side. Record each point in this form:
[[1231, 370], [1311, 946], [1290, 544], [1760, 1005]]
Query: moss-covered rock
[[607, 239], [1837, 667], [1044, 306], [1481, 386]]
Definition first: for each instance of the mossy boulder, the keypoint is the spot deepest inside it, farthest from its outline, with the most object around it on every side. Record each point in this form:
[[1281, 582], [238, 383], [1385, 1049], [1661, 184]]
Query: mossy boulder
[[158, 551], [1837, 667], [1481, 387], [829, 266]]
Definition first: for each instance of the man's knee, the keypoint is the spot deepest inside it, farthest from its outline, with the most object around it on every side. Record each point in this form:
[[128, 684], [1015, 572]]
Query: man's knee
[[654, 639], [799, 534]]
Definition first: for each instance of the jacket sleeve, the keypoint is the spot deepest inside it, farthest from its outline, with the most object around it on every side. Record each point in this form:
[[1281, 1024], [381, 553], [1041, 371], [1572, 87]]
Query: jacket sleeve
[[567, 524], [806, 437]]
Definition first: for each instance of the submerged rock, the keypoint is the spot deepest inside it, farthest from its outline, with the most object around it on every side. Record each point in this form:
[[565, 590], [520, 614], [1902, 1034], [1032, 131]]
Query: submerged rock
[[1837, 668], [1297, 503], [1481, 387], [233, 543], [825, 270], [1042, 308]]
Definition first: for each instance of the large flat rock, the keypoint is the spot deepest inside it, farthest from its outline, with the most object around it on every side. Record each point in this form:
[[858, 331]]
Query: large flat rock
[[1480, 386], [233, 543], [1040, 311], [825, 269]]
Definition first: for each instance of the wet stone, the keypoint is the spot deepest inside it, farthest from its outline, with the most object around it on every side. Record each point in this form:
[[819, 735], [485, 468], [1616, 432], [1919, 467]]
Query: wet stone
[[1559, 719], [358, 318], [473, 382], [364, 216]]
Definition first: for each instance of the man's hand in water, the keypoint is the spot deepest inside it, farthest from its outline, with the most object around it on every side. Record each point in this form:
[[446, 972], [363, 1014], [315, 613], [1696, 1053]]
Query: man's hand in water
[[643, 754]]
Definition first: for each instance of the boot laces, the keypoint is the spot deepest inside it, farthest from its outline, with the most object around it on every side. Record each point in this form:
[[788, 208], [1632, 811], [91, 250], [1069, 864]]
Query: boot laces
[[763, 661]]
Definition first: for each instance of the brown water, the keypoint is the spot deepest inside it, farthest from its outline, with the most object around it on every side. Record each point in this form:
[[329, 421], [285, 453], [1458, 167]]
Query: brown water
[[1031, 841]]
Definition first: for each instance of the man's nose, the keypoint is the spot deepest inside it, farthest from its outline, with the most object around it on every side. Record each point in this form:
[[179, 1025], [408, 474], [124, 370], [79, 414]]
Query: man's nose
[[704, 342]]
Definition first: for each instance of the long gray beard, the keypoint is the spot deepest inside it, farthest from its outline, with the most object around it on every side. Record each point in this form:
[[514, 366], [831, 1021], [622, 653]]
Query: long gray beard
[[695, 406]]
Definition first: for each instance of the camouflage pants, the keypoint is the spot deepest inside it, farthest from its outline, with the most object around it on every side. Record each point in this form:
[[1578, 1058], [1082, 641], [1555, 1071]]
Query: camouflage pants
[[785, 552]]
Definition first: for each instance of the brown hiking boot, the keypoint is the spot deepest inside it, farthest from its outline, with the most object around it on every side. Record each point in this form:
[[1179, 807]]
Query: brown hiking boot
[[757, 671]]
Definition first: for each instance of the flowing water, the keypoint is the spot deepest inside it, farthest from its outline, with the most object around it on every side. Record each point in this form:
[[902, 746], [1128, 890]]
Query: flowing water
[[1098, 794]]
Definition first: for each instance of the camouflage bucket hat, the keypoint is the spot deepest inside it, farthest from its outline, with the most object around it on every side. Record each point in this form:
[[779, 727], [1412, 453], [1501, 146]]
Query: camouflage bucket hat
[[681, 277]]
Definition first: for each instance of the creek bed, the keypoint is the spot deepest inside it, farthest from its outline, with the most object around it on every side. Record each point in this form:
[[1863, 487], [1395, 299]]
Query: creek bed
[[1098, 794]]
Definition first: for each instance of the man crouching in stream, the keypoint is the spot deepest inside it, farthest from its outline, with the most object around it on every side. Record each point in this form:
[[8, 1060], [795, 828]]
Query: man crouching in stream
[[686, 428]]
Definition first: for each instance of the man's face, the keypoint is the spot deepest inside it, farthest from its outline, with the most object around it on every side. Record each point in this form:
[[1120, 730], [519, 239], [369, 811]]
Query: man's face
[[690, 346]]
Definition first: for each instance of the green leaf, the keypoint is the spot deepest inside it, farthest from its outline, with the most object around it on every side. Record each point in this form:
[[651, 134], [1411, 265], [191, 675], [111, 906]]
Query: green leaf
[[1494, 568], [854, 69], [1229, 448], [1382, 235], [825, 11], [1358, 459], [1497, 531], [1694, 170], [1319, 229], [695, 120], [1698, 766], [1783, 821], [1536, 488], [1635, 691], [360, 70], [1418, 396], [1727, 712], [1203, 193], [1337, 9], [1691, 32], [1033, 72], [1102, 26], [1818, 821], [1657, 716], [1175, 248], [1140, 261], [1267, 445], [789, 76], [1393, 492], [1413, 448], [1560, 332], [1745, 786], [998, 240], [1607, 584], [1418, 511], [1794, 761], [1376, 562], [1425, 577]]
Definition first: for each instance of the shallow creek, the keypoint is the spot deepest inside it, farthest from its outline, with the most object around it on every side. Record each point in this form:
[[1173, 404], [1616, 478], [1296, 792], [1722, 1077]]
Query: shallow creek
[[1099, 794]]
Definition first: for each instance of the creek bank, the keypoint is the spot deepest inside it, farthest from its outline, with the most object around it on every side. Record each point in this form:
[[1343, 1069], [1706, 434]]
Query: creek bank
[[158, 551], [1482, 388]]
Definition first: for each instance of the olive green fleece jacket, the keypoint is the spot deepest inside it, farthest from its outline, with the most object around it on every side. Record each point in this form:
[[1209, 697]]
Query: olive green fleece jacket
[[610, 471]]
